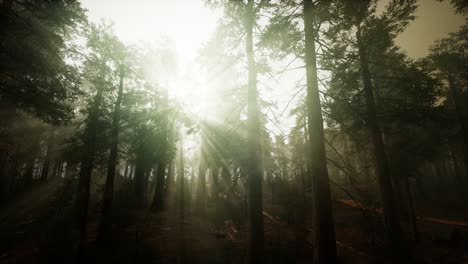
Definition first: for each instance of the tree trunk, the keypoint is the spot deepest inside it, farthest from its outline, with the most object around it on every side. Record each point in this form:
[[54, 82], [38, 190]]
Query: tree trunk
[[45, 168], [82, 200], [181, 179], [214, 171], [392, 225], [104, 235], [87, 162], [28, 174], [325, 244], [139, 179], [183, 258], [412, 214], [158, 198], [255, 171], [201, 184], [300, 217], [170, 177]]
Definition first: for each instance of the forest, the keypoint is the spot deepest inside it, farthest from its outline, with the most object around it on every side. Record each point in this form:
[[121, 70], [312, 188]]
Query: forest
[[286, 131]]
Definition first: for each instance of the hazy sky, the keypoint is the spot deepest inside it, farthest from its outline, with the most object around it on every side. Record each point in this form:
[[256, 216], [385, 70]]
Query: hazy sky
[[434, 20], [188, 22]]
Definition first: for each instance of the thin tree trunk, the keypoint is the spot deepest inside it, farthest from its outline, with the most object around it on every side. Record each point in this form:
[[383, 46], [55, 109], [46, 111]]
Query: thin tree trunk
[[104, 235], [45, 168], [255, 171], [139, 179], [325, 244], [412, 215], [181, 181], [170, 181], [83, 202], [392, 225], [201, 184], [28, 175], [84, 182], [158, 198]]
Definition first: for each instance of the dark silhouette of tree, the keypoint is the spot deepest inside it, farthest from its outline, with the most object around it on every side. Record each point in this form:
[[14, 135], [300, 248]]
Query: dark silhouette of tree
[[105, 226], [325, 247]]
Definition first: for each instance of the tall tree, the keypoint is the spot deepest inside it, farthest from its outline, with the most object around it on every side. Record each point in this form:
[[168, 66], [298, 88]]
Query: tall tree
[[100, 65], [325, 247], [382, 166], [361, 38], [255, 171], [105, 224]]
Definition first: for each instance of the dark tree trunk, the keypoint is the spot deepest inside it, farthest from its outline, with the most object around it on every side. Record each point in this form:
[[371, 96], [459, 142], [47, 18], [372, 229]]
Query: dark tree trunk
[[300, 217], [139, 179], [87, 161], [183, 256], [82, 202], [392, 225], [201, 184], [411, 211], [325, 244], [255, 171], [158, 198], [170, 181], [28, 174], [104, 235], [46, 167], [181, 180], [214, 171]]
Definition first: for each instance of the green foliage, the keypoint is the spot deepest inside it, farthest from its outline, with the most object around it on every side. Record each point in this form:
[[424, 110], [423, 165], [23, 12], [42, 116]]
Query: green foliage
[[36, 74], [405, 91], [461, 6]]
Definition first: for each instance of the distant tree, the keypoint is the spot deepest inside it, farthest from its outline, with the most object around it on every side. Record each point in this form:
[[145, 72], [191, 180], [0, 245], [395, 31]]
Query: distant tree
[[449, 61]]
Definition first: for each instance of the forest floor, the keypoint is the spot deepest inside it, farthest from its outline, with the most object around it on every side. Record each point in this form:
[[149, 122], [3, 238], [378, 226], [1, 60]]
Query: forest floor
[[37, 229]]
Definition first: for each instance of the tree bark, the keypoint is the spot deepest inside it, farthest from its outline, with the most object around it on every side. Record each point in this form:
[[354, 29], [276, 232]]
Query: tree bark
[[392, 225], [255, 171], [324, 235]]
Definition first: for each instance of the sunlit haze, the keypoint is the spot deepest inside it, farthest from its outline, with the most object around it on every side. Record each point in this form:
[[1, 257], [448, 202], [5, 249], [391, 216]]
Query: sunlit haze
[[190, 23], [187, 24]]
